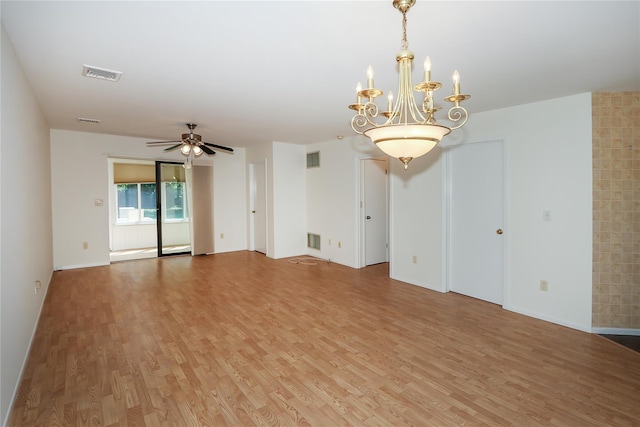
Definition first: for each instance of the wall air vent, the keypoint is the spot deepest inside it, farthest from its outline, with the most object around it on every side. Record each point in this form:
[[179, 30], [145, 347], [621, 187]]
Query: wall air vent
[[101, 73], [313, 160], [313, 241], [85, 120]]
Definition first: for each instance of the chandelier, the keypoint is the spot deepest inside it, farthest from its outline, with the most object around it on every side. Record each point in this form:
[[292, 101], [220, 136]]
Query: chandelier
[[409, 131]]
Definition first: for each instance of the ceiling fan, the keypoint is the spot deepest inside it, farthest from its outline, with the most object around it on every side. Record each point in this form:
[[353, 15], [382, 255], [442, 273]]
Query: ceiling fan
[[191, 145]]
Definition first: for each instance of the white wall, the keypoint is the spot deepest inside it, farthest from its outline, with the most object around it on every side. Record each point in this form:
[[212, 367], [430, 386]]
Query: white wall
[[416, 221], [79, 176], [286, 197], [333, 208], [230, 202], [133, 236], [25, 226], [289, 200], [549, 167], [137, 236], [333, 197]]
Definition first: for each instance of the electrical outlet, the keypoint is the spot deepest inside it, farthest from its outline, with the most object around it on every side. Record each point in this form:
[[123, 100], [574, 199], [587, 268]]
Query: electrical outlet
[[329, 242], [222, 235], [415, 259], [38, 285], [339, 244], [85, 245], [544, 286]]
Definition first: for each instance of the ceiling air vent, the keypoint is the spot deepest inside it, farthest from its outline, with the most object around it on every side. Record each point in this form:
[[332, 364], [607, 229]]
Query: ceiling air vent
[[101, 73], [85, 120]]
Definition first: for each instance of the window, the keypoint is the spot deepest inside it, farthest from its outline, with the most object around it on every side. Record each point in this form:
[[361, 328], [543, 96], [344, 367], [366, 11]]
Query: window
[[148, 202], [175, 205], [136, 203], [128, 200]]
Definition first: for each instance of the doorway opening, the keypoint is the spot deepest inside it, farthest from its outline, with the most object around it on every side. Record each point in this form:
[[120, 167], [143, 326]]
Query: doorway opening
[[374, 211], [148, 209], [258, 207]]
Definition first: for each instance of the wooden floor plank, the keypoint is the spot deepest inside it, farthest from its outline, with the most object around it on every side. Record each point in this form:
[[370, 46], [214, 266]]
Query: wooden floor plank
[[238, 339]]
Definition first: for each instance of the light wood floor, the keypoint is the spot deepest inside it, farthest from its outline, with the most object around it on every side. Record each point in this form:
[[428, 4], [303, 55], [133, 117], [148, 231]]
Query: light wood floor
[[239, 339]]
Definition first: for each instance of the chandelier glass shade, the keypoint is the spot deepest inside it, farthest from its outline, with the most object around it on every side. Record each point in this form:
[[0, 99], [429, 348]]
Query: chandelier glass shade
[[410, 130]]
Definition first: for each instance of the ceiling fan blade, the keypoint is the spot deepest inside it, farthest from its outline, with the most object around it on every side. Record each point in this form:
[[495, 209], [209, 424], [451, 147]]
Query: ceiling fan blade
[[207, 150], [162, 142], [172, 148], [219, 147]]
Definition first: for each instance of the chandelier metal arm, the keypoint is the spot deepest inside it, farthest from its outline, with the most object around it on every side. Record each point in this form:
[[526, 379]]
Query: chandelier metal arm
[[365, 117], [458, 114]]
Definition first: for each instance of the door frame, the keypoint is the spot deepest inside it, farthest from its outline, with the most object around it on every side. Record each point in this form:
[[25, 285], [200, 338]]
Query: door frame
[[159, 164], [446, 199], [360, 208], [252, 207]]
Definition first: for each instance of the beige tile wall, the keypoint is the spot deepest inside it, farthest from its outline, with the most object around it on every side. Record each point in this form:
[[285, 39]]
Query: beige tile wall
[[616, 209]]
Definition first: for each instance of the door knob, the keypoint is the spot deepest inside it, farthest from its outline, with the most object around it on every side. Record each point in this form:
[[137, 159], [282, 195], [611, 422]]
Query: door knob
[[253, 211], [499, 231], [368, 217]]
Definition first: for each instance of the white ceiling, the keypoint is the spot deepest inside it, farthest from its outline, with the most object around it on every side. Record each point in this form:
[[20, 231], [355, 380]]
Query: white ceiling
[[261, 71]]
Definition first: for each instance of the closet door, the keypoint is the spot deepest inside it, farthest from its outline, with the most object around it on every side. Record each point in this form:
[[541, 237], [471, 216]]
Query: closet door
[[477, 194]]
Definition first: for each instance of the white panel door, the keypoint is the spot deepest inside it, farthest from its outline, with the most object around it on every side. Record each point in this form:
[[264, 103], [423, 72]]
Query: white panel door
[[259, 207], [476, 220], [375, 211]]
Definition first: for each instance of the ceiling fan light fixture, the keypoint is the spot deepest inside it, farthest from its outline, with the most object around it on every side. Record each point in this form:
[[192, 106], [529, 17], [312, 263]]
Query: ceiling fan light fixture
[[191, 146]]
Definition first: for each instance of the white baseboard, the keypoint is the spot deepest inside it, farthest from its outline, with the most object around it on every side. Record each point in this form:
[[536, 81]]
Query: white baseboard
[[550, 319], [72, 267], [438, 288], [26, 356], [616, 331]]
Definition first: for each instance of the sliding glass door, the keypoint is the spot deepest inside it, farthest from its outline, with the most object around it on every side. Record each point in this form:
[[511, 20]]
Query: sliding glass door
[[172, 207]]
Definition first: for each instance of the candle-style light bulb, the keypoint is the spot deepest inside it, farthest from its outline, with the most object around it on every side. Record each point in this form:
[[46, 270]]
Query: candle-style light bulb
[[390, 101], [427, 69], [456, 82], [370, 77]]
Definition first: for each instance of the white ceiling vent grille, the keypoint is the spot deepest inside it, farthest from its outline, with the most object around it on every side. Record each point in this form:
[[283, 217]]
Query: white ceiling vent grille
[[85, 120], [101, 73]]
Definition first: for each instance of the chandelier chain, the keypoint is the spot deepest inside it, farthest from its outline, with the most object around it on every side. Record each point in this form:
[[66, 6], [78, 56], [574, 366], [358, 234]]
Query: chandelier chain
[[405, 43]]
